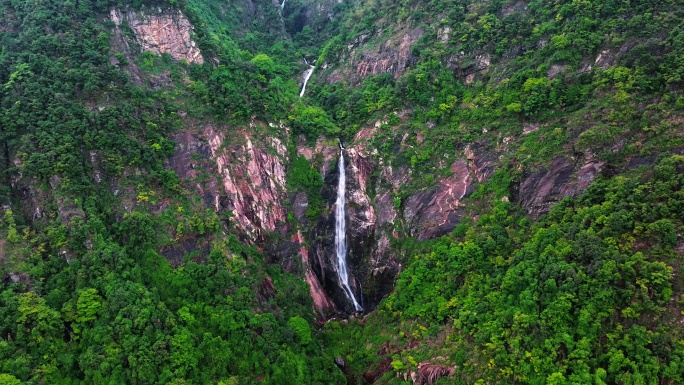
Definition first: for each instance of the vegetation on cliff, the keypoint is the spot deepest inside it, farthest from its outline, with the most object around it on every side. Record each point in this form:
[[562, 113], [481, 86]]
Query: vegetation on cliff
[[114, 269], [588, 294]]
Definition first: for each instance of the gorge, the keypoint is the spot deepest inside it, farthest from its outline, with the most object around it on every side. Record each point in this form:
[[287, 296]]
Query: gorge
[[466, 192]]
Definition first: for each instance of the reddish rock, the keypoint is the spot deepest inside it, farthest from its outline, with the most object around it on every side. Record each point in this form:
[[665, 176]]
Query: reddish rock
[[361, 212], [167, 31], [323, 306], [190, 160], [303, 148], [267, 289], [300, 205], [435, 212], [329, 151], [481, 164], [253, 177], [539, 191], [428, 373], [384, 366], [393, 57]]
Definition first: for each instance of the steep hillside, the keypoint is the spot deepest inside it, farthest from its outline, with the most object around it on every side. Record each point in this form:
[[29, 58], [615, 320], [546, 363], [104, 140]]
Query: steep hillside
[[170, 171]]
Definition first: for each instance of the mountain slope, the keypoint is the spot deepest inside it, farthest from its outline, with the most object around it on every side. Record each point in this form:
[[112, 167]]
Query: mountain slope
[[514, 197]]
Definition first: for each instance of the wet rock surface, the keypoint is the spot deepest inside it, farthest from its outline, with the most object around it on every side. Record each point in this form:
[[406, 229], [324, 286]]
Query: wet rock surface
[[393, 57], [322, 237]]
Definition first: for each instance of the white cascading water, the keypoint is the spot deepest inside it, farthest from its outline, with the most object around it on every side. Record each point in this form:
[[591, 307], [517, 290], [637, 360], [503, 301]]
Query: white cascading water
[[341, 235], [282, 5], [307, 75]]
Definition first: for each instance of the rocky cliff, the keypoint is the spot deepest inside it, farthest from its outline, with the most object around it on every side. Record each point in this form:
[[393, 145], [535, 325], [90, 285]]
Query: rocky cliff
[[250, 187], [159, 31], [251, 190], [359, 58]]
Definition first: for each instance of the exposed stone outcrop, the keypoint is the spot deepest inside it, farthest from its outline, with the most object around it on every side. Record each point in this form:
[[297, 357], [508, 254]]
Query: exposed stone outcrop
[[31, 197], [374, 217], [67, 209], [312, 13], [480, 163], [323, 306], [251, 185], [384, 366], [322, 237], [429, 372], [248, 183], [164, 31], [253, 179], [466, 67], [518, 6], [393, 57], [435, 212], [325, 151], [9, 22], [361, 213], [539, 190], [191, 159]]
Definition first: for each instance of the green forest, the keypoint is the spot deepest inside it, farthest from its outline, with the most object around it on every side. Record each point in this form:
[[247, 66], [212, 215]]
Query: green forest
[[117, 266]]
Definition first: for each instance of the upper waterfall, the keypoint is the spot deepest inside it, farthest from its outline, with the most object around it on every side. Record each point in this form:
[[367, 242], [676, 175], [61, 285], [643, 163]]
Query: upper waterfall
[[341, 235]]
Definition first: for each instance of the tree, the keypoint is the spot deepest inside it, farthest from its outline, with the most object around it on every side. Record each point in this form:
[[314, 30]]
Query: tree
[[12, 233], [8, 379], [264, 64], [301, 328], [312, 121]]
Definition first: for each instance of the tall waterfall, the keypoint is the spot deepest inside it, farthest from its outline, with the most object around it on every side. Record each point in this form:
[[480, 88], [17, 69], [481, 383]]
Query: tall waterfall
[[341, 235], [307, 75]]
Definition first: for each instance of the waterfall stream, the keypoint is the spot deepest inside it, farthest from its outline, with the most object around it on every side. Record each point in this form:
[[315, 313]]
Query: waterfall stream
[[307, 75], [341, 235]]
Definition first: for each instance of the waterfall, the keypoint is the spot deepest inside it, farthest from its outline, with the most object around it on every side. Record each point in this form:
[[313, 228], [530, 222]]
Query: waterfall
[[282, 5], [341, 235], [307, 75]]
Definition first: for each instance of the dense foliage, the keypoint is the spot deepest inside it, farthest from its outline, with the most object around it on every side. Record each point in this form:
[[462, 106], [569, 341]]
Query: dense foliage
[[583, 296], [114, 271], [91, 299], [592, 68]]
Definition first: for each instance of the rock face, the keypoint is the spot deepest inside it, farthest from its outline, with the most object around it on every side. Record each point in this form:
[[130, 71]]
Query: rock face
[[254, 181], [435, 212], [466, 67], [539, 190], [429, 372], [191, 159], [249, 185], [250, 179], [312, 13], [374, 218], [393, 57], [164, 31], [322, 237]]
